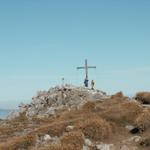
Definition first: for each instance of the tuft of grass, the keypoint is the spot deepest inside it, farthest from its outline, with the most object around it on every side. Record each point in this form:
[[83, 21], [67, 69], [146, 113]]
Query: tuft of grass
[[59, 147], [143, 97], [123, 112], [55, 129], [73, 140], [89, 106], [21, 118], [18, 143], [117, 95], [70, 141], [12, 126], [143, 120], [96, 128]]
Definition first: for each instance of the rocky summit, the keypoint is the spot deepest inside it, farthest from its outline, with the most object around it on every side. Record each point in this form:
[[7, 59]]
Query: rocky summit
[[46, 103]]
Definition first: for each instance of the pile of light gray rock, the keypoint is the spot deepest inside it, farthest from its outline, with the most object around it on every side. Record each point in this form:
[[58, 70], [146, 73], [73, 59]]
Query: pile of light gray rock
[[46, 103]]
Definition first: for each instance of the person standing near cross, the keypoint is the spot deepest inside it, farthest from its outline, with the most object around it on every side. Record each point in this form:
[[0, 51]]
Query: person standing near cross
[[86, 67], [86, 82]]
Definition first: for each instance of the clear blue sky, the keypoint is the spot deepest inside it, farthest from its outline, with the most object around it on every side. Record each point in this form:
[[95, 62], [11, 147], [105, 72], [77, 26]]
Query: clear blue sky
[[42, 41]]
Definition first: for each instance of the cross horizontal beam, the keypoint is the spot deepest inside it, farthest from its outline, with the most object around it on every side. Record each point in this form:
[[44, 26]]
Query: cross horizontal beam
[[94, 67]]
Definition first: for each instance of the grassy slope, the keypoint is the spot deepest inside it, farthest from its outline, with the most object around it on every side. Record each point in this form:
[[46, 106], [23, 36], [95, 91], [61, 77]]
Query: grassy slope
[[98, 121]]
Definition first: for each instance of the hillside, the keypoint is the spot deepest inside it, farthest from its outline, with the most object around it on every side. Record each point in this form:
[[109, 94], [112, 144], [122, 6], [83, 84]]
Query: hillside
[[77, 118]]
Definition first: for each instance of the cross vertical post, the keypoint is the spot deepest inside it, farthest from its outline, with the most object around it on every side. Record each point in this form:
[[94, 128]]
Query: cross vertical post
[[86, 69]]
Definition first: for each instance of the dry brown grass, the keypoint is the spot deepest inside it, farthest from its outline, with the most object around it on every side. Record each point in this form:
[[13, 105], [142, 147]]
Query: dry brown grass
[[73, 139], [22, 118], [55, 128], [11, 127], [143, 97], [117, 95], [23, 142], [70, 141], [59, 147], [45, 120], [68, 115], [95, 120], [51, 147], [123, 112], [95, 128], [7, 130], [89, 106], [145, 142], [143, 120]]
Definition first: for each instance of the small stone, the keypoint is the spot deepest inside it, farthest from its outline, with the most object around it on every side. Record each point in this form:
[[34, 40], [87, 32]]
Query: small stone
[[124, 147], [69, 128], [135, 139], [86, 147], [51, 111], [104, 146], [47, 137], [129, 127], [56, 140], [88, 142]]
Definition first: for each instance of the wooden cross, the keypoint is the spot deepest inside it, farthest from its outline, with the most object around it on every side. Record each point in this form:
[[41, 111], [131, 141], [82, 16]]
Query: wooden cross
[[86, 67]]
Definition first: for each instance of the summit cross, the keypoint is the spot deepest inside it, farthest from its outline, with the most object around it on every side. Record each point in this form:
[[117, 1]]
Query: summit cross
[[86, 67]]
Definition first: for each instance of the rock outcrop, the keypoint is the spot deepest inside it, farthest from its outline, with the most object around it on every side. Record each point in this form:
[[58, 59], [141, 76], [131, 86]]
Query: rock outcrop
[[46, 103]]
